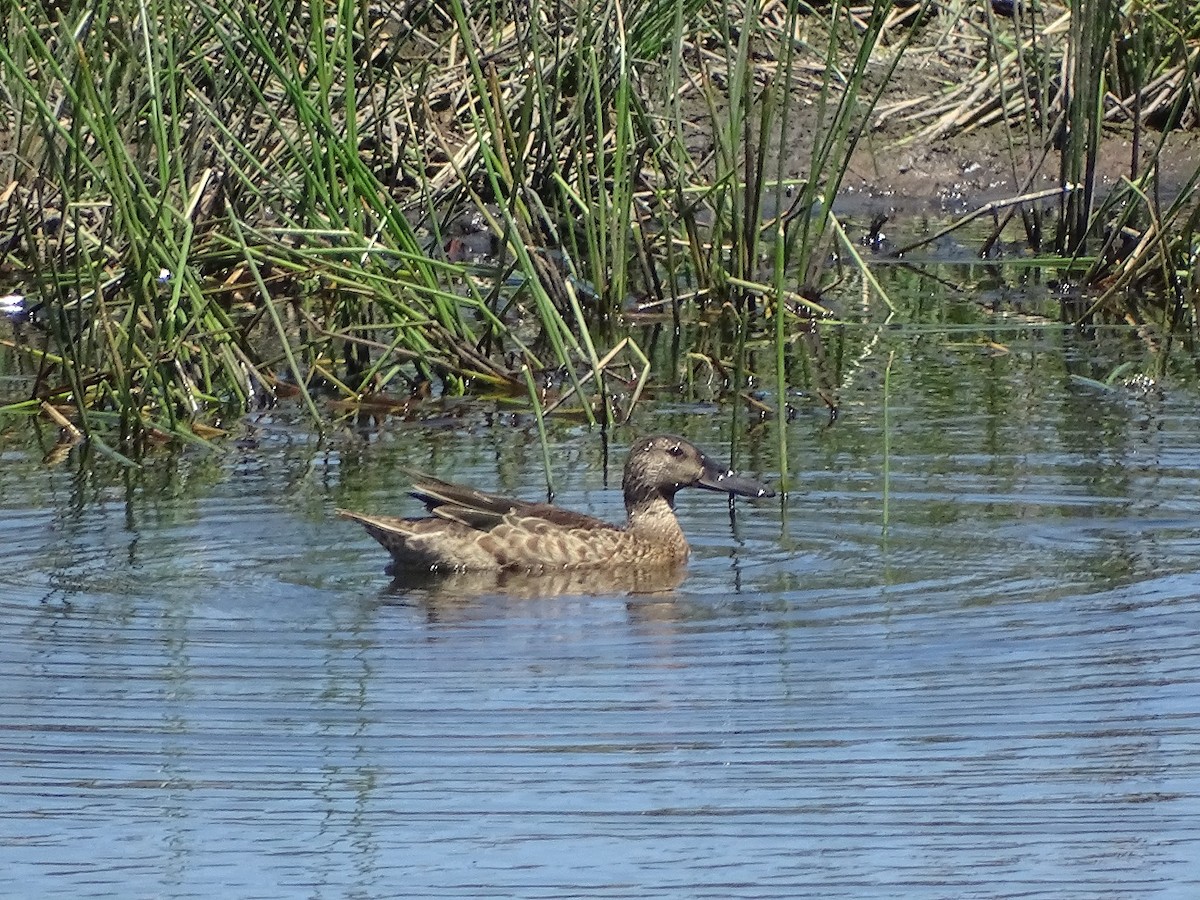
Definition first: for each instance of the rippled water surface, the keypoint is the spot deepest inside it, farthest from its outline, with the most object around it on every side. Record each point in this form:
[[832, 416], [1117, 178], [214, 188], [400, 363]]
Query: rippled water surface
[[211, 689]]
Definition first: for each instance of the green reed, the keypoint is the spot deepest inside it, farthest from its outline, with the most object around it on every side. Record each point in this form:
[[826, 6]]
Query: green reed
[[219, 203]]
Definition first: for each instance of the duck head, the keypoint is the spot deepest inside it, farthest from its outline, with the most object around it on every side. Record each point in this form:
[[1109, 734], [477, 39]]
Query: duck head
[[659, 466]]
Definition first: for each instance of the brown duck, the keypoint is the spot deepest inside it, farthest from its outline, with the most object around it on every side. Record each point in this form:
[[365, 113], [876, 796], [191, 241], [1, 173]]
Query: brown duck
[[473, 531]]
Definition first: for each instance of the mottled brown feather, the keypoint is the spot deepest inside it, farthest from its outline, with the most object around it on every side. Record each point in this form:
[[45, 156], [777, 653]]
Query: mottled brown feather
[[477, 531]]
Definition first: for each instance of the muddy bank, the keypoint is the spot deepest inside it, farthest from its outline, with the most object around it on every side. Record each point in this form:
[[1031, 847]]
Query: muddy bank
[[962, 172]]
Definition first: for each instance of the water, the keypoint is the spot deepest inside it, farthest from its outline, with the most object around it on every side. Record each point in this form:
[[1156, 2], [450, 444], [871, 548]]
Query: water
[[211, 689]]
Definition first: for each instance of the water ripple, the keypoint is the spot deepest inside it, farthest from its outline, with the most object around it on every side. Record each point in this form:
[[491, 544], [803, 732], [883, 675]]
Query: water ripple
[[214, 691]]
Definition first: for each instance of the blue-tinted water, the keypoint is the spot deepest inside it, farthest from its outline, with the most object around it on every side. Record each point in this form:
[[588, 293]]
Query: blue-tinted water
[[211, 689]]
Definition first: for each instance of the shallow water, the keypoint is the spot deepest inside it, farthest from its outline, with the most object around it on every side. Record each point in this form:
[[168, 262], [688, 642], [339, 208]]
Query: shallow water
[[211, 689]]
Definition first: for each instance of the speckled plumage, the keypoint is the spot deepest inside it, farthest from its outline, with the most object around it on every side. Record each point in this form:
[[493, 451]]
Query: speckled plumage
[[473, 531]]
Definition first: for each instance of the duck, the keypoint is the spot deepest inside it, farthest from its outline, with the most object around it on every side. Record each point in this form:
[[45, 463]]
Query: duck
[[472, 531]]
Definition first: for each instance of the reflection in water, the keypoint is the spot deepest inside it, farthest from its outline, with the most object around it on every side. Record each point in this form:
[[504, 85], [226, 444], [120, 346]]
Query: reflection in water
[[455, 587], [205, 693]]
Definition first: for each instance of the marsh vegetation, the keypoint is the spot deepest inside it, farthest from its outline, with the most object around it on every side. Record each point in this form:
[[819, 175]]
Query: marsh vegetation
[[208, 205]]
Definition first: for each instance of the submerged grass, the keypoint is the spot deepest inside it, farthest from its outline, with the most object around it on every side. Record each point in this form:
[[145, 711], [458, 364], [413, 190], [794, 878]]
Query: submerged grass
[[211, 204]]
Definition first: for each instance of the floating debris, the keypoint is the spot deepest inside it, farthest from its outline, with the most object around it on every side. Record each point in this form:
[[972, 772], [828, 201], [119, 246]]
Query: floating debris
[[13, 306]]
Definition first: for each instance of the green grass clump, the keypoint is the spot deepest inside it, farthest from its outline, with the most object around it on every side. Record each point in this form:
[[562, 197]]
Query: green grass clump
[[212, 203]]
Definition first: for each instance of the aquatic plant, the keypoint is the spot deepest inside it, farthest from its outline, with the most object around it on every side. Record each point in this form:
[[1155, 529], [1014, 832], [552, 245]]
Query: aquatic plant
[[212, 204], [1055, 78]]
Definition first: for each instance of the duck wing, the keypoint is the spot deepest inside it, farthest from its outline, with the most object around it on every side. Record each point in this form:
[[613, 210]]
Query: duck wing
[[480, 510]]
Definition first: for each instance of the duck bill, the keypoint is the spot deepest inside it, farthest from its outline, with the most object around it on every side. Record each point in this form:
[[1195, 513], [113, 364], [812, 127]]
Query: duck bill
[[715, 478]]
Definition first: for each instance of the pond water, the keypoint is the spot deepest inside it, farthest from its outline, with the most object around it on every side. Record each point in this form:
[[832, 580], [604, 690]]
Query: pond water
[[211, 688]]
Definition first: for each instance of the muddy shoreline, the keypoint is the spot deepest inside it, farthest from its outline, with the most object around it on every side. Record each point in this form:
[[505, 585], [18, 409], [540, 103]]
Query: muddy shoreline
[[962, 172]]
